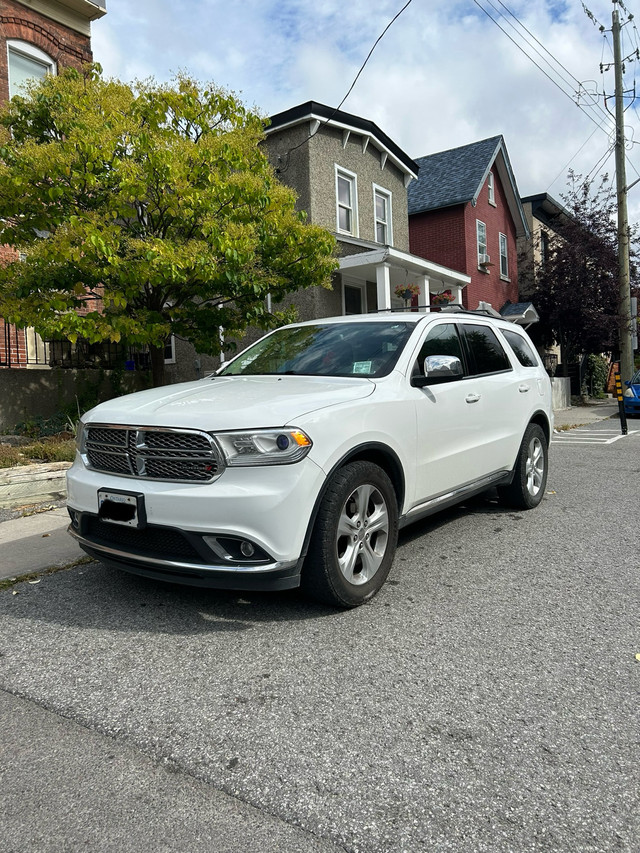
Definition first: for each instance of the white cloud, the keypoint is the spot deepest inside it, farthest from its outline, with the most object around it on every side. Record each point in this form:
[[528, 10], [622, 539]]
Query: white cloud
[[444, 74]]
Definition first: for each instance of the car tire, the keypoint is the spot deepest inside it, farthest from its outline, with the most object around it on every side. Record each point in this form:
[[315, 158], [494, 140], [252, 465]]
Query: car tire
[[527, 487], [354, 537]]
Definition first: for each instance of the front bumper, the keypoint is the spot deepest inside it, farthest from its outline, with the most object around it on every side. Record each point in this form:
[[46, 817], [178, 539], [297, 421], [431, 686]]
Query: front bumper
[[192, 532], [632, 406]]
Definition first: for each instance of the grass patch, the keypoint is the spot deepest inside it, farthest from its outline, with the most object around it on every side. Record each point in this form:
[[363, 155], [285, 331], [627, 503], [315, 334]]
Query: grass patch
[[52, 449]]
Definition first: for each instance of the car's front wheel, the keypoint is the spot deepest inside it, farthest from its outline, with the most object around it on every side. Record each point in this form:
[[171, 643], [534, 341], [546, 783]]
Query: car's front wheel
[[526, 490], [354, 538]]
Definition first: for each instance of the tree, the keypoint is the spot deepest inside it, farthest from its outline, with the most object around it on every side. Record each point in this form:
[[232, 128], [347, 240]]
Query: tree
[[576, 286], [144, 210]]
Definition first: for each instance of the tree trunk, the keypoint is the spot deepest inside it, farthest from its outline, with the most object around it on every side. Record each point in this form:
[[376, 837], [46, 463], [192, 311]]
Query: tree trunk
[[157, 365]]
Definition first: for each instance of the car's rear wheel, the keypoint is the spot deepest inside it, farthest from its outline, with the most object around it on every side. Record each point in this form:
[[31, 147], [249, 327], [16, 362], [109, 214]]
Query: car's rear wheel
[[354, 538], [526, 490]]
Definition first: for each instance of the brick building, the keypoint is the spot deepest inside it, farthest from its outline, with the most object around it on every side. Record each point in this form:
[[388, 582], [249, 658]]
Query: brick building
[[465, 213], [37, 37]]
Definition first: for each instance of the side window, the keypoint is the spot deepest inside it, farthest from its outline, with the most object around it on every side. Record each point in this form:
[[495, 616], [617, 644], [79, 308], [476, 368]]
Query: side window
[[504, 257], [521, 348], [485, 350], [481, 233], [442, 339]]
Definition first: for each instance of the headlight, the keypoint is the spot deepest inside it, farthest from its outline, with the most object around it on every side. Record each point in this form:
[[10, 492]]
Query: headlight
[[629, 393], [264, 446]]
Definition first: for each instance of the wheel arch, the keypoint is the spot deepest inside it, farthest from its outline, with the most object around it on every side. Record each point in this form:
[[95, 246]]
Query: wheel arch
[[379, 454], [542, 421]]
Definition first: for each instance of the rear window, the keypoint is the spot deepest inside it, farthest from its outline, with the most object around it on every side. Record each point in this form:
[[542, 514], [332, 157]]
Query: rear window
[[485, 350], [521, 348]]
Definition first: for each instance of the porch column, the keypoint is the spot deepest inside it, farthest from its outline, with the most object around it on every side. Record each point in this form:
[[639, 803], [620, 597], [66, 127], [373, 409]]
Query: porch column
[[383, 287], [457, 293], [424, 305]]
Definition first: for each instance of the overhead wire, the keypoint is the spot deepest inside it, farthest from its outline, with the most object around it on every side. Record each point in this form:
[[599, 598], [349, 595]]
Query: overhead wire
[[350, 89]]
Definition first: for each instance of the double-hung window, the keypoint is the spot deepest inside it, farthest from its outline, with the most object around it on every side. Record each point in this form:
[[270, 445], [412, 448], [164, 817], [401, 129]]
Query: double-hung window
[[26, 62], [382, 213], [481, 233], [504, 257], [346, 202]]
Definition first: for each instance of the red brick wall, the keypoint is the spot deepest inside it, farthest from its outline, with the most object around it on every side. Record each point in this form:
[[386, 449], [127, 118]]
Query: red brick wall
[[448, 237], [65, 47]]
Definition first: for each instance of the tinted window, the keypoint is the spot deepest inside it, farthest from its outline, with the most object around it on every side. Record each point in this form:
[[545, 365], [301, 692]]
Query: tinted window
[[521, 348], [441, 340], [340, 349], [487, 354]]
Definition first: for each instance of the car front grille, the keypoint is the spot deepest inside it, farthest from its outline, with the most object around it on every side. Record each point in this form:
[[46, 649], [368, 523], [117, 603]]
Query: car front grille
[[179, 455]]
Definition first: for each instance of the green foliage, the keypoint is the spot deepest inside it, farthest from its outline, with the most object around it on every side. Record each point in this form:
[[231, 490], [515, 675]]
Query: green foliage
[[144, 210], [55, 449], [597, 374], [576, 290]]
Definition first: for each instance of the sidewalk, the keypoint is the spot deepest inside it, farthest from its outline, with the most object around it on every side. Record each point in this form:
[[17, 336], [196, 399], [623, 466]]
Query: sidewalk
[[34, 543], [592, 412]]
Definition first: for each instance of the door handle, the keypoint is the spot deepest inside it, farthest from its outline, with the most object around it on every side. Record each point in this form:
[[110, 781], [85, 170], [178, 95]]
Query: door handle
[[523, 388], [472, 398]]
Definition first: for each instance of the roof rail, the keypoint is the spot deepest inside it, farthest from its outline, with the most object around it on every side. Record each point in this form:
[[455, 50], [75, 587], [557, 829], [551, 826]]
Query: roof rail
[[452, 307]]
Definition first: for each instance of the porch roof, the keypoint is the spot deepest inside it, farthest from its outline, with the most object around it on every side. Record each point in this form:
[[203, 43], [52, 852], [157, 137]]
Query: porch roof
[[401, 265]]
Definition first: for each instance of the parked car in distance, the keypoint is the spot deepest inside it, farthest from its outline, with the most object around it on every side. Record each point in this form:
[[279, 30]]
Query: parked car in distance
[[631, 396], [297, 463]]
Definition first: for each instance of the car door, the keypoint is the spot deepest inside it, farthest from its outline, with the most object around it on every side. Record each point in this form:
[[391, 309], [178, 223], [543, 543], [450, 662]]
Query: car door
[[448, 420], [503, 396]]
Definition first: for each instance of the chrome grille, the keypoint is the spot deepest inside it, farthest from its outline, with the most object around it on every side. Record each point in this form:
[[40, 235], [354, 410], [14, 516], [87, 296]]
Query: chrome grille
[[155, 454]]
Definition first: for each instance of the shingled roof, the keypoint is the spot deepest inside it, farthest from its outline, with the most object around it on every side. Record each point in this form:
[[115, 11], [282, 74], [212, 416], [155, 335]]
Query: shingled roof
[[457, 176]]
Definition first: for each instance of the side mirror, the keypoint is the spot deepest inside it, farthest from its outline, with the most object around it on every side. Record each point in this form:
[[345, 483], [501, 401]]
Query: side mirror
[[438, 369]]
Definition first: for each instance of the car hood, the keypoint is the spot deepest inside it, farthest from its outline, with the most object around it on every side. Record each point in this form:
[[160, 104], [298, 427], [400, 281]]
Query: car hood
[[231, 402]]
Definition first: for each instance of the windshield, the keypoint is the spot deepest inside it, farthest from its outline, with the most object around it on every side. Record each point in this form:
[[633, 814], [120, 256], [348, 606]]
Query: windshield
[[336, 349]]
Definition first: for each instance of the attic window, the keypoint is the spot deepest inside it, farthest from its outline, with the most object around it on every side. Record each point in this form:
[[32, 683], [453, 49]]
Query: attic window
[[491, 189]]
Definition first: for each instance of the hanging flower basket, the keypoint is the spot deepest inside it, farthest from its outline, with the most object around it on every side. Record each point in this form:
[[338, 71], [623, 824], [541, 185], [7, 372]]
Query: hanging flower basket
[[446, 297], [407, 292]]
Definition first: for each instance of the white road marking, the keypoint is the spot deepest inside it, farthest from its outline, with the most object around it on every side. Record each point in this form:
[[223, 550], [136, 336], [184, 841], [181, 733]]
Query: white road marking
[[582, 436]]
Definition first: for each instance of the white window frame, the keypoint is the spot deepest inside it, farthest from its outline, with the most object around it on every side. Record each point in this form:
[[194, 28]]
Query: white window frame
[[170, 343], [340, 172], [356, 285], [29, 51], [504, 255], [491, 189], [481, 226], [388, 197]]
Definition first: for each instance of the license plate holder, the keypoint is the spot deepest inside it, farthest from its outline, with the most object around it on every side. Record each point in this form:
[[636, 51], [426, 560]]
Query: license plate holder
[[125, 508]]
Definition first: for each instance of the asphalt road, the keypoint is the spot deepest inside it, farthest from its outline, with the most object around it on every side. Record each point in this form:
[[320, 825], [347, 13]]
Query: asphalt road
[[486, 700]]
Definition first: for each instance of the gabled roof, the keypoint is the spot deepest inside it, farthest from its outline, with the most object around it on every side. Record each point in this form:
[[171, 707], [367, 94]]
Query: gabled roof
[[318, 114], [458, 175]]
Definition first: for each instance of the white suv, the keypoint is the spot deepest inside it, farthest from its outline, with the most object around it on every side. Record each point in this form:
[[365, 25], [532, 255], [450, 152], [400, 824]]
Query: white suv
[[297, 463]]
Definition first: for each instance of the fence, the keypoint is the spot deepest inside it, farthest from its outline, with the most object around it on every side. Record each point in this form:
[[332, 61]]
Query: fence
[[24, 348]]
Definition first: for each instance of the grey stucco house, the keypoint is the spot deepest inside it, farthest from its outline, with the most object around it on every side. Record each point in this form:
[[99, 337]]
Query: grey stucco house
[[352, 179]]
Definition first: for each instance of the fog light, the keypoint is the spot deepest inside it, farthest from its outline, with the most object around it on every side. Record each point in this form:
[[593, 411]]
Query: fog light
[[247, 549]]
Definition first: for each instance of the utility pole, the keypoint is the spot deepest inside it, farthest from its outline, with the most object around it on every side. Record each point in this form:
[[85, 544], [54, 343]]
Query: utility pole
[[626, 351]]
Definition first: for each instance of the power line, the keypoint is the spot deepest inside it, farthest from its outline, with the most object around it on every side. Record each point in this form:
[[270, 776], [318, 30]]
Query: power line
[[350, 89], [531, 59]]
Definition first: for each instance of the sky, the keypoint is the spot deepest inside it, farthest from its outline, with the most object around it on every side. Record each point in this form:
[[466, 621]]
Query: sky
[[443, 75]]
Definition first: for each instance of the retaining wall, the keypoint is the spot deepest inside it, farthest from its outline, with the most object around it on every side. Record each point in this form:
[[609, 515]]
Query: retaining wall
[[27, 393]]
